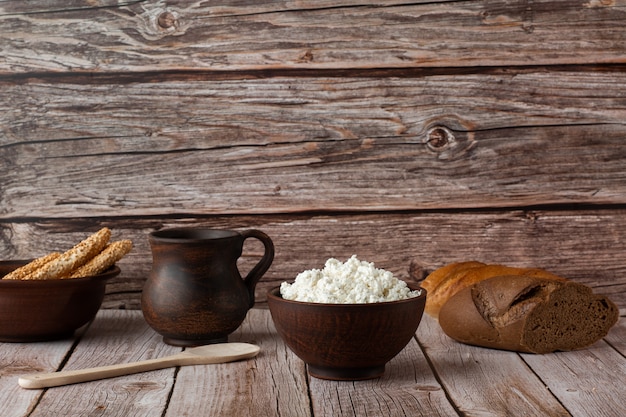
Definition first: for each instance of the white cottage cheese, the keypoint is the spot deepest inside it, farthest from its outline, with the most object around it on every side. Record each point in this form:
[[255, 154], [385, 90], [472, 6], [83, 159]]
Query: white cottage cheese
[[352, 282]]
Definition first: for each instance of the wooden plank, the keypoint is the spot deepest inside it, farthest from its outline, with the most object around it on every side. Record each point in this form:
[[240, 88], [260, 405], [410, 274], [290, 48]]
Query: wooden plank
[[486, 382], [617, 336], [408, 388], [300, 145], [115, 336], [218, 8], [234, 35], [244, 109], [587, 382], [272, 384], [14, 7], [18, 359], [577, 244]]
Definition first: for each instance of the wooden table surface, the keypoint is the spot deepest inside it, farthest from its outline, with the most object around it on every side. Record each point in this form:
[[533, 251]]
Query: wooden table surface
[[432, 376]]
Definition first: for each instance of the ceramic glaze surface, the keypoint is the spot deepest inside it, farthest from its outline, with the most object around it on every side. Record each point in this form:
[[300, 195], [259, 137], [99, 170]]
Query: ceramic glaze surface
[[346, 341], [195, 294], [43, 310]]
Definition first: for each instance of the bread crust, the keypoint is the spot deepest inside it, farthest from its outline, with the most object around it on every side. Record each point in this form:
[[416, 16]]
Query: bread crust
[[74, 257], [446, 281], [104, 260], [90, 257], [23, 271]]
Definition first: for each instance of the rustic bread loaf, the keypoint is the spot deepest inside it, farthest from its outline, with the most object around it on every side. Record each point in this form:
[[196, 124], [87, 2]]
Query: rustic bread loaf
[[446, 281], [527, 314]]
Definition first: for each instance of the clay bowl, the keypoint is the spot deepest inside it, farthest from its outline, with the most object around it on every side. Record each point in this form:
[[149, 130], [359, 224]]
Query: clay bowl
[[346, 341], [37, 311]]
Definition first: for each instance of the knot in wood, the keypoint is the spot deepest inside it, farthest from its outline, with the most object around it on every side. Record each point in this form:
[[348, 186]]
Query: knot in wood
[[167, 20], [306, 57], [439, 138]]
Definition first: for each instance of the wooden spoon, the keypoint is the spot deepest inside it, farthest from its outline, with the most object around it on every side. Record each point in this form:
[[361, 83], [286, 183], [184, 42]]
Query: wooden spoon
[[218, 353]]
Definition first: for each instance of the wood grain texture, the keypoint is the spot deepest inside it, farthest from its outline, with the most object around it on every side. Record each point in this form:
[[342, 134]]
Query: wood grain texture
[[432, 376], [233, 35], [258, 386], [412, 134], [577, 244], [17, 359], [603, 364], [108, 342], [312, 144], [407, 386], [480, 379]]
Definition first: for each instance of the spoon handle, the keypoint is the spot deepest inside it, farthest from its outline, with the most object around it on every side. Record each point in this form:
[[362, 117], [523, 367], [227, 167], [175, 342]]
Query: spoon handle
[[218, 353], [55, 379]]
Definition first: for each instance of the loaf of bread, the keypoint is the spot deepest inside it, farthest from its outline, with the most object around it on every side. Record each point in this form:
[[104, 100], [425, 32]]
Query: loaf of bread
[[529, 311], [444, 282]]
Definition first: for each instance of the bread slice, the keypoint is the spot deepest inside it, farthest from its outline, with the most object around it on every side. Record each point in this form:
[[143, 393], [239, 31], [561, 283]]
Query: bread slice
[[527, 314]]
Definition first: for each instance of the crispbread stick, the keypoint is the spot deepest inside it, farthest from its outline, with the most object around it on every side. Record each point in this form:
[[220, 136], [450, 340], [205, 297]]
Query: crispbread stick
[[73, 258], [31, 267], [105, 259]]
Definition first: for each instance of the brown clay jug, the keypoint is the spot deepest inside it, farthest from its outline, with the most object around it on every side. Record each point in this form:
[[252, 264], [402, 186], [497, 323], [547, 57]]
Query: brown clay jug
[[195, 294]]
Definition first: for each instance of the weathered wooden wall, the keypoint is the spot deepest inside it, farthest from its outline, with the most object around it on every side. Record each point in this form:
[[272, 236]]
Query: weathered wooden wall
[[412, 134]]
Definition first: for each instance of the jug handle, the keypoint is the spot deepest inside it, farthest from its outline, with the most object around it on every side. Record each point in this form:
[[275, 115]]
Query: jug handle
[[263, 265]]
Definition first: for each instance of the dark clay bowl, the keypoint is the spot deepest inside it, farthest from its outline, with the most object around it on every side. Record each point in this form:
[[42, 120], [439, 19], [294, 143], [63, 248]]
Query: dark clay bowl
[[43, 310], [346, 341]]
